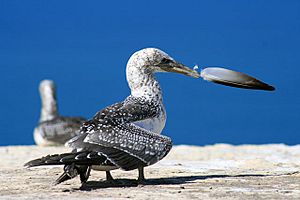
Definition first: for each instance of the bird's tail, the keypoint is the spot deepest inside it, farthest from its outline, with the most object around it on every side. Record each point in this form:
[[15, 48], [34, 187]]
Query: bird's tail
[[76, 163], [78, 158]]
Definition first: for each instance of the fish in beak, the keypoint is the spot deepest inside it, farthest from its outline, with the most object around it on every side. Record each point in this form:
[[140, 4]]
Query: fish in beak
[[234, 79], [217, 75]]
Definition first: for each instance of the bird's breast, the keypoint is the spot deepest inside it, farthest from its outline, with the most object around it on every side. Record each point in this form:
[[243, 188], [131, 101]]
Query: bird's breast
[[155, 124]]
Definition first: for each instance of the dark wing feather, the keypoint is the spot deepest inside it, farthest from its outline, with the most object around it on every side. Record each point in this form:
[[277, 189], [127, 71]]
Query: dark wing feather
[[131, 110], [125, 144], [144, 145], [124, 156], [118, 157], [78, 158]]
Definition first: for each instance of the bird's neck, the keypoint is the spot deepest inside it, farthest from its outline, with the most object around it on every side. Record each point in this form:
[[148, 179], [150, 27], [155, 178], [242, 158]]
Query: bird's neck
[[143, 83], [49, 109]]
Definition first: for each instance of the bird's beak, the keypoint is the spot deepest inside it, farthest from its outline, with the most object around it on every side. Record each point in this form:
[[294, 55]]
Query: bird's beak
[[180, 68], [233, 79]]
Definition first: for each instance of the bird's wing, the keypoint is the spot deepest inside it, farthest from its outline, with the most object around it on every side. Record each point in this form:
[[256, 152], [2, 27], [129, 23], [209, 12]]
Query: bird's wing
[[136, 142], [131, 110], [60, 129], [112, 131]]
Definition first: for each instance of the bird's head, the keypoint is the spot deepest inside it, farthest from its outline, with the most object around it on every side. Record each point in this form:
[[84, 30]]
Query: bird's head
[[47, 88], [48, 96], [155, 60], [151, 60]]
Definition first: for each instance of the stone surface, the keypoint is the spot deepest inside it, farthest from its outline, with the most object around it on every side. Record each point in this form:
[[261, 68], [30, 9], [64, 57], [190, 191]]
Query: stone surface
[[188, 172]]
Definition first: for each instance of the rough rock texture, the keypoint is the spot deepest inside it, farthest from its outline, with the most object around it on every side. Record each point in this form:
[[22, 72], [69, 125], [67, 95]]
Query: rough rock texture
[[189, 172]]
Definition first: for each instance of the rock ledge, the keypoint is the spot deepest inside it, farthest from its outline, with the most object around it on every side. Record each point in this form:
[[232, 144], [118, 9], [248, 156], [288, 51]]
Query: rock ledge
[[189, 172]]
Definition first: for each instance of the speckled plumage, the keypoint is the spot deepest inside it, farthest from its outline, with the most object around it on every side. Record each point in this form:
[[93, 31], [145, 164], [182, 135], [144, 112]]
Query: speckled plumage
[[113, 128], [126, 134]]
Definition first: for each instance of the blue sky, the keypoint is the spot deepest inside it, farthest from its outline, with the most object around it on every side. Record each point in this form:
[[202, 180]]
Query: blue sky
[[84, 46]]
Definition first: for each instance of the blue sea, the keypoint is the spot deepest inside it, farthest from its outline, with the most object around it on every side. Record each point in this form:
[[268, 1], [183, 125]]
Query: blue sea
[[84, 47]]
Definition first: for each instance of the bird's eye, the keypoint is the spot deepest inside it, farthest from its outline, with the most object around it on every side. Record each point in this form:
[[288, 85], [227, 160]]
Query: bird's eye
[[165, 61]]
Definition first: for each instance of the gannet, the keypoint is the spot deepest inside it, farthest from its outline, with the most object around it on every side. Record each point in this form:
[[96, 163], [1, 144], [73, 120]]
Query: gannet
[[126, 135], [52, 128]]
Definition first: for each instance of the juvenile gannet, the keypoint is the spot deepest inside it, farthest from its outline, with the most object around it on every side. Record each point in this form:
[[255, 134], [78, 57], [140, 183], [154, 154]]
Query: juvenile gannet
[[53, 129], [126, 135]]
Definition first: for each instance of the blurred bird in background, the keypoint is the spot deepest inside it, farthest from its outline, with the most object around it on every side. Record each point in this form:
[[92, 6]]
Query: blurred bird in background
[[53, 129]]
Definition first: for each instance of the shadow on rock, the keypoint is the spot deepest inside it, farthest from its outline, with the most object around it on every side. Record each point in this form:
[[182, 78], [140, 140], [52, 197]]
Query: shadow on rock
[[92, 185]]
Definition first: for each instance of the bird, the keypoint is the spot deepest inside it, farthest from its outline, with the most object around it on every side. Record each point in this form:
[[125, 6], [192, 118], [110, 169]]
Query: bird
[[53, 129], [127, 135]]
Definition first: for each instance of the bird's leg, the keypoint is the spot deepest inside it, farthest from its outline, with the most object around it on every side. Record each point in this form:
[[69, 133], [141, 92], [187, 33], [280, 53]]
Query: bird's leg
[[141, 178], [84, 173], [109, 176]]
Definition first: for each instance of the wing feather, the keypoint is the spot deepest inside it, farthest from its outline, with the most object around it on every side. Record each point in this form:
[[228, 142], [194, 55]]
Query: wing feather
[[146, 146], [112, 133]]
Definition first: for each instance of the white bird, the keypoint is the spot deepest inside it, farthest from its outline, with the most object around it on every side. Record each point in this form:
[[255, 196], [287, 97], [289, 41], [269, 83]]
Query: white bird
[[53, 129], [126, 135]]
